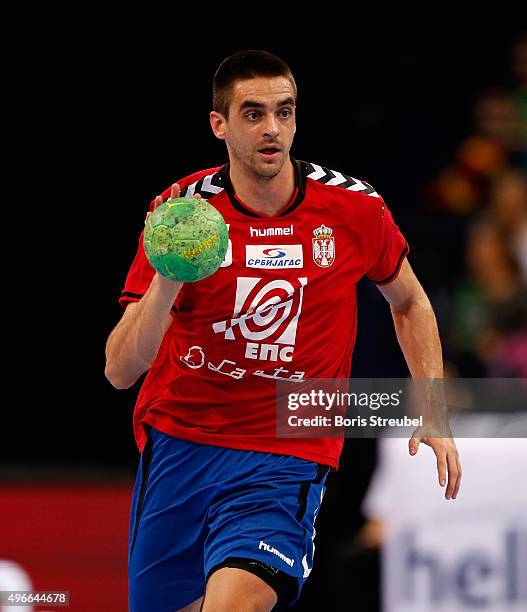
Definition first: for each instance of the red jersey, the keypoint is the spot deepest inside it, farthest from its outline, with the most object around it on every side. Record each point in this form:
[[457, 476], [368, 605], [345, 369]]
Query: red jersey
[[281, 306]]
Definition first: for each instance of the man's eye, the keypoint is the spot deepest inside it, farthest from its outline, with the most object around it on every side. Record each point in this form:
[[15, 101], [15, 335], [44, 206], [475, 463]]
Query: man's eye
[[285, 113], [252, 116]]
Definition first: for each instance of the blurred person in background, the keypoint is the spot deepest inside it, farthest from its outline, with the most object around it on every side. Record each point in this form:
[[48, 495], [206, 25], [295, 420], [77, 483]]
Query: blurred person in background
[[497, 141], [478, 200], [508, 206], [481, 201], [488, 317]]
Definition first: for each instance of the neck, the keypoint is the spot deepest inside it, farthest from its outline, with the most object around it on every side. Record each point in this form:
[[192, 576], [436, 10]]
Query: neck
[[266, 195]]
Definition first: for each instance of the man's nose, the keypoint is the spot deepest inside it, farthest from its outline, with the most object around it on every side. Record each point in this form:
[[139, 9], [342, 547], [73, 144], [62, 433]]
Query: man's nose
[[271, 126]]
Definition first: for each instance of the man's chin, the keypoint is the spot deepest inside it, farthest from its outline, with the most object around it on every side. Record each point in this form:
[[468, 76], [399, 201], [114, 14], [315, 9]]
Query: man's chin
[[269, 169]]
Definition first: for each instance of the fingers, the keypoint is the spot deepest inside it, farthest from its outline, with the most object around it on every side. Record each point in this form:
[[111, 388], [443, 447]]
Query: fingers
[[448, 462], [413, 445], [174, 191], [454, 476], [441, 467], [459, 472]]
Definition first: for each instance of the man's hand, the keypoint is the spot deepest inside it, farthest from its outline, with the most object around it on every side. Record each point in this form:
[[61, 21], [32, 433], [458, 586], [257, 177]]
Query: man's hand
[[174, 194], [447, 460], [134, 343]]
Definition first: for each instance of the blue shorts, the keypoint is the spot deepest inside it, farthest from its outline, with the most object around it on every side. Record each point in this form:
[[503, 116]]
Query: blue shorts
[[196, 508]]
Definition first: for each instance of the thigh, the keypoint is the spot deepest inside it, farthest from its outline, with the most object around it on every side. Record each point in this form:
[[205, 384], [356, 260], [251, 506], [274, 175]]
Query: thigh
[[167, 529], [264, 523]]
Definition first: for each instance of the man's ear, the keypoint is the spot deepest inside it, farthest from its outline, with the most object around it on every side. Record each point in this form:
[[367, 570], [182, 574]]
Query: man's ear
[[217, 123]]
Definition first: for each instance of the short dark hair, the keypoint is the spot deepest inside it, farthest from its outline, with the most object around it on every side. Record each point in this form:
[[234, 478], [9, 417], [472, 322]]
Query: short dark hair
[[241, 66]]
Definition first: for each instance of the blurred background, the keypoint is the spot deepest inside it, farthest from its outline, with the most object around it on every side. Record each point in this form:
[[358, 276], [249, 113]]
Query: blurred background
[[432, 110]]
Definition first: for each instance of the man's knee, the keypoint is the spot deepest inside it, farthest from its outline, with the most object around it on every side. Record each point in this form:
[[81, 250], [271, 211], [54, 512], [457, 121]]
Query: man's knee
[[236, 590]]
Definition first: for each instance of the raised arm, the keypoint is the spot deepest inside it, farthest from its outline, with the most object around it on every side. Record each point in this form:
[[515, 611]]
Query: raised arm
[[134, 342], [418, 336]]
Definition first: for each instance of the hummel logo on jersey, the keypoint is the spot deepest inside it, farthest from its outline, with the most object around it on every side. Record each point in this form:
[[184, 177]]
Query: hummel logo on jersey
[[274, 256], [276, 552], [271, 231]]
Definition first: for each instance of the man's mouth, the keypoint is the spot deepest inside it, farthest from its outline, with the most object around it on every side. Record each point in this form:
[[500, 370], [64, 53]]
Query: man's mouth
[[269, 151]]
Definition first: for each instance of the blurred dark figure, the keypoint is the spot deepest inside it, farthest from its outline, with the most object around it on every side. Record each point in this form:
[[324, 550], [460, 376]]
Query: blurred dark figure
[[519, 64], [482, 305], [508, 207], [487, 332], [497, 141], [498, 119]]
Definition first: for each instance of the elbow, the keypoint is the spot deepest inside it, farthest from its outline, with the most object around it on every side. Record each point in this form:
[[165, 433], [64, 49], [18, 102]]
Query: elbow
[[117, 377], [413, 303]]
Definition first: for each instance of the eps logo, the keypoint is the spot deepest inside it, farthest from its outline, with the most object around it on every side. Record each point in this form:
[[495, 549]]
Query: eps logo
[[265, 314]]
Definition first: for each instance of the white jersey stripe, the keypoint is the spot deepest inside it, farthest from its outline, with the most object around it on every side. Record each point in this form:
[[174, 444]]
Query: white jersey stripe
[[209, 187], [337, 180], [318, 173]]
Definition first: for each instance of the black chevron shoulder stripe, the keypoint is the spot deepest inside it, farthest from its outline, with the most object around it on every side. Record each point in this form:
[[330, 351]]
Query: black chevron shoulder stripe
[[207, 186], [332, 177]]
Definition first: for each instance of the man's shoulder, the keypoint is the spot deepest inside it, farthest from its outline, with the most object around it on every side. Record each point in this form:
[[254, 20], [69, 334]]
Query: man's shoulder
[[339, 181], [206, 182]]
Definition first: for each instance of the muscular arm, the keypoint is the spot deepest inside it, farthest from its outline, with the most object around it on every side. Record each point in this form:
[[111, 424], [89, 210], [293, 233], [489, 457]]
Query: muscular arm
[[133, 344], [416, 328], [415, 324]]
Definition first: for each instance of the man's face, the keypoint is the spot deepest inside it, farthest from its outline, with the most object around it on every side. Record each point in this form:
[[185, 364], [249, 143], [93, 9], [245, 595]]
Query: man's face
[[261, 125]]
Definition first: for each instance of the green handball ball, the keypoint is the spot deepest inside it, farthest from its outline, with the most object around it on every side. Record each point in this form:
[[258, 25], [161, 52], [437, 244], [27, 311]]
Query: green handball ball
[[185, 239]]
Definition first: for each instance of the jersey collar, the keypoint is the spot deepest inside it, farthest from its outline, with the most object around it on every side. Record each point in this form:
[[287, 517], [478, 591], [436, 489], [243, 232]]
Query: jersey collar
[[296, 199]]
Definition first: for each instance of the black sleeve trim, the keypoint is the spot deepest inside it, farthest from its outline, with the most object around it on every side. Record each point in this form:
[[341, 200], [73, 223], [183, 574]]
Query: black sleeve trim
[[138, 296], [132, 295], [386, 280]]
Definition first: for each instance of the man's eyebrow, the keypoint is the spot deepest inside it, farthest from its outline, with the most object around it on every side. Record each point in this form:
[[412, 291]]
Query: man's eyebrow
[[286, 102], [253, 104]]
